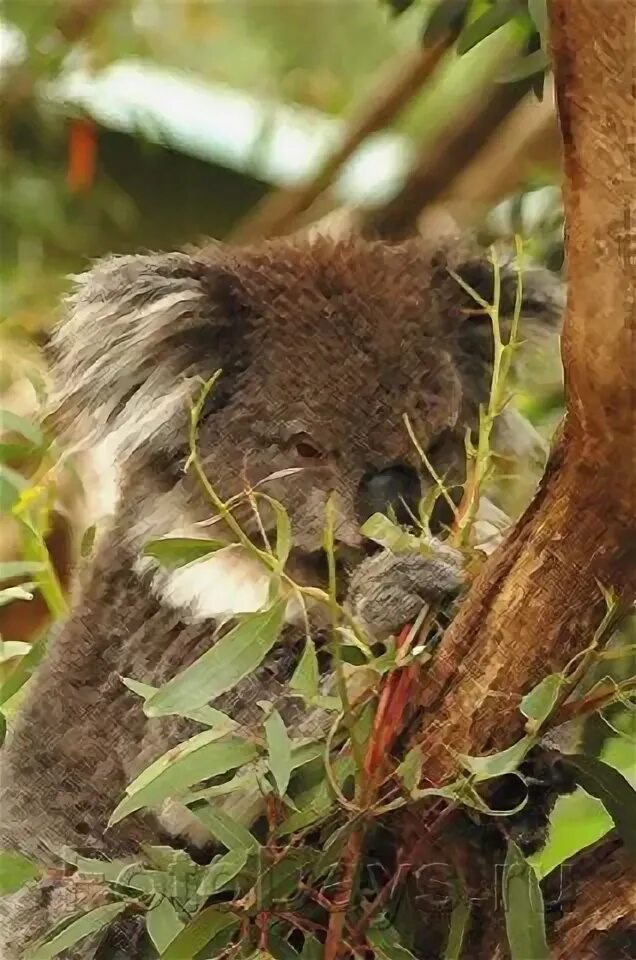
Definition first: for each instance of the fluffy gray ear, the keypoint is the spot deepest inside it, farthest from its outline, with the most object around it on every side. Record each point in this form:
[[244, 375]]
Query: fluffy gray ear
[[124, 356]]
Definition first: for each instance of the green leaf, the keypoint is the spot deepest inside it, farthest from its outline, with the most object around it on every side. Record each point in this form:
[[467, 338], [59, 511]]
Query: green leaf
[[223, 871], [487, 23], [447, 18], [15, 871], [163, 924], [227, 831], [524, 67], [497, 764], [312, 948], [306, 676], [614, 791], [198, 933], [174, 552], [11, 594], [283, 530], [539, 12], [281, 879], [410, 770], [12, 423], [3, 728], [279, 748], [197, 759], [13, 569], [577, 821], [231, 658], [208, 716], [539, 703], [315, 803], [457, 930], [386, 944], [12, 484], [22, 670], [389, 535], [89, 923], [523, 906]]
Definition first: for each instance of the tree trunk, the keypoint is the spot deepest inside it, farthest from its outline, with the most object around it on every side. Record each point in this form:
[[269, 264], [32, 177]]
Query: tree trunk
[[539, 599]]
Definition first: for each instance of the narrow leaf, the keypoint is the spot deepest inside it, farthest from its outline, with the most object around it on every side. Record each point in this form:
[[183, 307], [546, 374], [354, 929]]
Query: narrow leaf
[[22, 670], [227, 831], [15, 871], [220, 721], [12, 569], [523, 906], [410, 770], [389, 535], [163, 924], [196, 759], [487, 23], [231, 658], [279, 748], [524, 67], [316, 802], [312, 948], [539, 13], [84, 926], [10, 649], [457, 930], [614, 791], [539, 703], [174, 552], [497, 764], [223, 871], [198, 933], [306, 676]]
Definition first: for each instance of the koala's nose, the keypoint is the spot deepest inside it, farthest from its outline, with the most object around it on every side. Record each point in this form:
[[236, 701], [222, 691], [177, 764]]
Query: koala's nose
[[397, 488]]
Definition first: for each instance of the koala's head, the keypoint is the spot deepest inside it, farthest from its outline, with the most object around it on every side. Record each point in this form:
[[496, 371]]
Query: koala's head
[[324, 347]]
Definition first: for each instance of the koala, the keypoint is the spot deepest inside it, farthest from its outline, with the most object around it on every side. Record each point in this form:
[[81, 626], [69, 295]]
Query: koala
[[323, 346]]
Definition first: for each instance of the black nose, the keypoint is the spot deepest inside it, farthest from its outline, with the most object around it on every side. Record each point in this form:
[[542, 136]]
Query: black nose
[[395, 488]]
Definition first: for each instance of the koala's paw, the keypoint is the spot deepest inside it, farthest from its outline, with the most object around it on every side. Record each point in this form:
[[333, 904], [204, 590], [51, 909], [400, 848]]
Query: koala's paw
[[389, 589]]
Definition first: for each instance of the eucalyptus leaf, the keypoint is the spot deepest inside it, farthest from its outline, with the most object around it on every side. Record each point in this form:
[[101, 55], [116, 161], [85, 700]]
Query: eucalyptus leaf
[[84, 926], [410, 770], [208, 716], [11, 569], [231, 659], [315, 803], [222, 871], [539, 703], [389, 535], [497, 764], [306, 676], [476, 31], [524, 67], [197, 934], [175, 552], [457, 931], [227, 831], [614, 791], [163, 924], [523, 907], [197, 759], [22, 670], [279, 748]]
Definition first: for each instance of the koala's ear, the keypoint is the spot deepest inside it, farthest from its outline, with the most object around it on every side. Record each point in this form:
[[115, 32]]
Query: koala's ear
[[136, 331]]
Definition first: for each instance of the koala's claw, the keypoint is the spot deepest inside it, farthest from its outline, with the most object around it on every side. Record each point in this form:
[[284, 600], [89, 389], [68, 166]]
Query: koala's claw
[[389, 589]]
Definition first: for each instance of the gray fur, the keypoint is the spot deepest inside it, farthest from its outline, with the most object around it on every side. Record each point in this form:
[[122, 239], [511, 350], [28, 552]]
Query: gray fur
[[333, 339]]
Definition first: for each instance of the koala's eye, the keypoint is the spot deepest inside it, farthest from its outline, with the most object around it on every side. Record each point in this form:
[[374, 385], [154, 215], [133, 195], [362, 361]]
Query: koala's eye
[[306, 448]]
